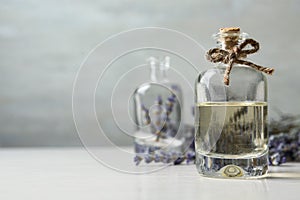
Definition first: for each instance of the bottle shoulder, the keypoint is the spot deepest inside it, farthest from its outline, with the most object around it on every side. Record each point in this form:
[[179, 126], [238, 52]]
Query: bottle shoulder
[[158, 86], [238, 72]]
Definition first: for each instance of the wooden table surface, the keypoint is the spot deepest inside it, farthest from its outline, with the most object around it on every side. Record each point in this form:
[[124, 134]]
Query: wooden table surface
[[72, 173]]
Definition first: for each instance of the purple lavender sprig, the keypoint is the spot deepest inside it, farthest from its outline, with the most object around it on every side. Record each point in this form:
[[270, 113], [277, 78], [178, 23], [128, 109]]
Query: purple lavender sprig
[[165, 157], [161, 123], [147, 119], [284, 147], [284, 142], [165, 117]]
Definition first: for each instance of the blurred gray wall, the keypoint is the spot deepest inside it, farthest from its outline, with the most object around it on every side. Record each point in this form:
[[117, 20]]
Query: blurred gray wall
[[43, 43]]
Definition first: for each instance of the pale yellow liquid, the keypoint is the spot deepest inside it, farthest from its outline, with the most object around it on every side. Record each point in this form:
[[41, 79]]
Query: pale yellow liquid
[[231, 133]]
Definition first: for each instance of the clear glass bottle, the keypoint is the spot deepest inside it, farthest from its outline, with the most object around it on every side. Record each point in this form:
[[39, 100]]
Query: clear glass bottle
[[158, 110], [231, 135]]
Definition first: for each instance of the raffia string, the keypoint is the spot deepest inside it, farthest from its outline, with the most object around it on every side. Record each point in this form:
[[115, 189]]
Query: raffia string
[[234, 55]]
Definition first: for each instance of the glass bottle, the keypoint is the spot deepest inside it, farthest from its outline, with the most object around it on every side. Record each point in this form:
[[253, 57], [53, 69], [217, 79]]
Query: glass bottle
[[157, 111], [231, 136]]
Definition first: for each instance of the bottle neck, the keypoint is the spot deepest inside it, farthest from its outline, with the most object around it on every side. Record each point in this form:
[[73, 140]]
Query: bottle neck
[[227, 41], [159, 69], [228, 45], [158, 74]]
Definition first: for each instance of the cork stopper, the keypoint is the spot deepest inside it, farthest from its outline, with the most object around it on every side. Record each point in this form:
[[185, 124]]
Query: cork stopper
[[230, 30], [229, 37]]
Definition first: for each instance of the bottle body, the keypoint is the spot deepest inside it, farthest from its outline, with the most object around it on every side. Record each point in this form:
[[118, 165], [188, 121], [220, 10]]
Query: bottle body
[[231, 136], [157, 106]]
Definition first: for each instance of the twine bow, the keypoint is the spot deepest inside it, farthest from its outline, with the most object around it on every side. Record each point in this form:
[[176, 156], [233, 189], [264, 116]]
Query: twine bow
[[234, 56]]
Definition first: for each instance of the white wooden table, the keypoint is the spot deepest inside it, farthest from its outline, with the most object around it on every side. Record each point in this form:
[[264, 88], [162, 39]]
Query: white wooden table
[[74, 174]]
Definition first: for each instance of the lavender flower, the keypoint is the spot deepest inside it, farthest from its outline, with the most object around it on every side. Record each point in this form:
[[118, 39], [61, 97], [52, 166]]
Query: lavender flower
[[159, 100], [166, 157], [147, 119], [179, 160], [175, 88], [137, 159], [284, 145], [161, 125], [190, 157]]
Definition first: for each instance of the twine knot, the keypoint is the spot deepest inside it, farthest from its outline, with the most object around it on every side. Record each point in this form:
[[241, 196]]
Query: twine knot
[[235, 55]]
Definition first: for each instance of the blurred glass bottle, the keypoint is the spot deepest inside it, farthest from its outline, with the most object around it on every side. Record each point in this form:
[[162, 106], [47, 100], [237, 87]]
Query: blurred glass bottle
[[158, 108], [231, 135]]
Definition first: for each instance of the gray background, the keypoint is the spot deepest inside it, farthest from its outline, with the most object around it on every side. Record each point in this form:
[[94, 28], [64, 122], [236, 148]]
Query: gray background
[[43, 43]]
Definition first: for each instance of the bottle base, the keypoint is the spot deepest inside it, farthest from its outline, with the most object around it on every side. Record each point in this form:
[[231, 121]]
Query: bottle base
[[144, 143], [210, 165]]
